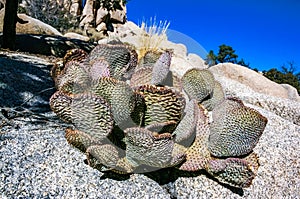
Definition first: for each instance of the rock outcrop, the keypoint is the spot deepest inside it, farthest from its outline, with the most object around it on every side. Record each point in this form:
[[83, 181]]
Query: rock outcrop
[[95, 16], [255, 89], [33, 26], [257, 82], [73, 35]]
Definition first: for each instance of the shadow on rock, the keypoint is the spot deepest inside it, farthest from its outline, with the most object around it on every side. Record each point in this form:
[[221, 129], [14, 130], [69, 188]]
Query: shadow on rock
[[49, 44], [169, 175], [25, 82]]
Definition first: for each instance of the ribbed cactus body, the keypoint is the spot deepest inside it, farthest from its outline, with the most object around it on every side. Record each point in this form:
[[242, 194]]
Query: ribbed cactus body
[[198, 84], [235, 130], [132, 116]]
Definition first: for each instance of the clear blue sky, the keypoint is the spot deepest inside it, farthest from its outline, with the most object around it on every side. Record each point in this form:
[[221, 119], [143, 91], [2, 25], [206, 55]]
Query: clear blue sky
[[265, 33]]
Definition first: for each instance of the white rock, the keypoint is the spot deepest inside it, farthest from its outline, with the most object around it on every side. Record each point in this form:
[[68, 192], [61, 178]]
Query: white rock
[[101, 13], [196, 60], [75, 8], [250, 78], [292, 92], [101, 27], [119, 15], [74, 35]]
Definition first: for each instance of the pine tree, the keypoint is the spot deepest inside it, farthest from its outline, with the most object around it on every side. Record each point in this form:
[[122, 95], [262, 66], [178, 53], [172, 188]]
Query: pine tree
[[211, 58], [226, 54]]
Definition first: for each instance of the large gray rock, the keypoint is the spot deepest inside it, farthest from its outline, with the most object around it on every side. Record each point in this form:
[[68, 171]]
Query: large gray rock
[[33, 26], [87, 15], [286, 108], [254, 80], [73, 35], [254, 88], [101, 15], [75, 9], [292, 92], [119, 15]]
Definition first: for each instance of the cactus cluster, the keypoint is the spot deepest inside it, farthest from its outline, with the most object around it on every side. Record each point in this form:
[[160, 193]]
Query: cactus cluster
[[131, 115]]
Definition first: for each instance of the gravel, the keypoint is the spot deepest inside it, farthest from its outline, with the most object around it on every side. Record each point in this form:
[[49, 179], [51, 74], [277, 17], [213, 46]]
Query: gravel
[[37, 162]]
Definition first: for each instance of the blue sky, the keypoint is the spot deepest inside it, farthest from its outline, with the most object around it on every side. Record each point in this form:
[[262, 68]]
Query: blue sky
[[266, 33]]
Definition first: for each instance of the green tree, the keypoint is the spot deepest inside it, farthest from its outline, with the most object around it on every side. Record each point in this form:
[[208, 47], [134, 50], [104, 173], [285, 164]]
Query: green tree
[[285, 76], [211, 58], [243, 63], [298, 76], [290, 69], [225, 54]]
